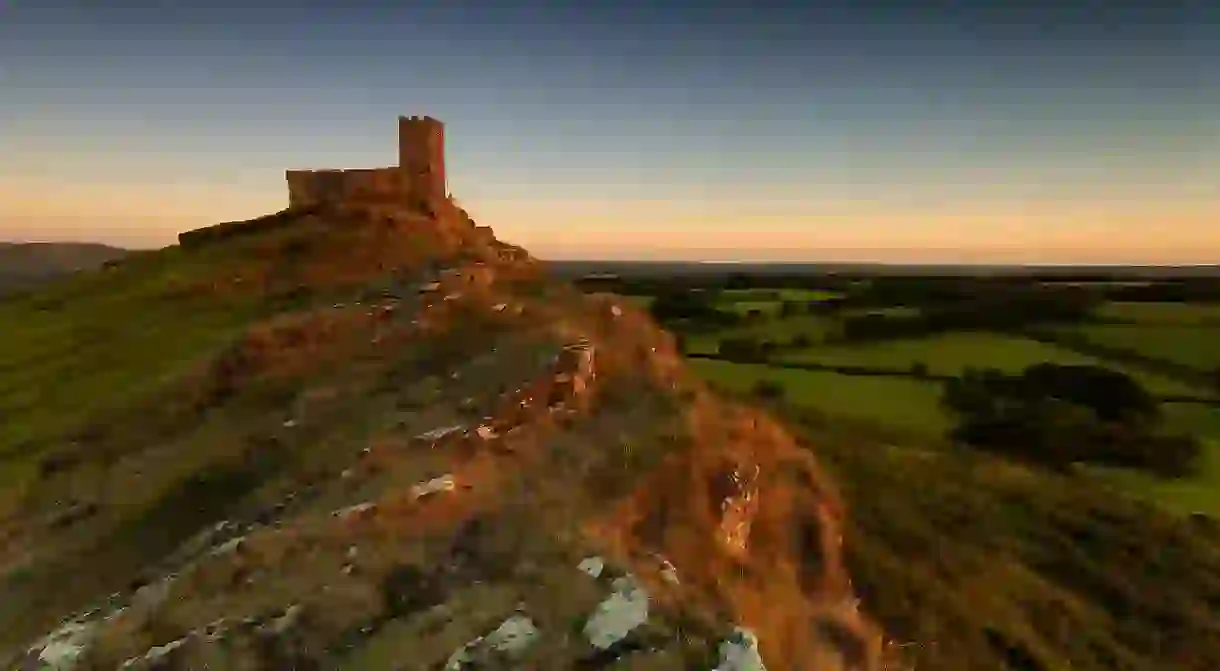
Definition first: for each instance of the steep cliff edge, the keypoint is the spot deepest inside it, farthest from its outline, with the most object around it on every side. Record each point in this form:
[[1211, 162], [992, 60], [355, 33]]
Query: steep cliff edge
[[362, 440]]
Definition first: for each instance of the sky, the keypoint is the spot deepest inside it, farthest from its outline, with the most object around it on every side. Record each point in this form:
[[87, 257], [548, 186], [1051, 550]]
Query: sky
[[1074, 131]]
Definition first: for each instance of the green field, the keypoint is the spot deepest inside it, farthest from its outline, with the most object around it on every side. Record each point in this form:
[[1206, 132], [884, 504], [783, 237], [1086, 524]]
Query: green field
[[767, 301], [778, 330], [1194, 346], [741, 307], [1200, 493], [907, 404], [1172, 331], [951, 353], [1184, 314], [779, 294], [895, 311]]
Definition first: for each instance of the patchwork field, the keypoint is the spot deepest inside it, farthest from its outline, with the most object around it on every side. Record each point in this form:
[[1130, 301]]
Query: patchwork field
[[900, 403], [1191, 345], [952, 353], [778, 330], [768, 301], [780, 294], [1183, 314], [1175, 332]]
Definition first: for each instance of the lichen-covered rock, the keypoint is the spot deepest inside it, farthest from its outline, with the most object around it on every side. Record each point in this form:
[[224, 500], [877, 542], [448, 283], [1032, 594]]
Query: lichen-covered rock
[[739, 652], [624, 610], [444, 483], [63, 648], [508, 642], [592, 566]]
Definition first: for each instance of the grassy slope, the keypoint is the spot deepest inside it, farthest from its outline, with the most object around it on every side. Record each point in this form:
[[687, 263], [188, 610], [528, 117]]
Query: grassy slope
[[979, 563], [92, 343]]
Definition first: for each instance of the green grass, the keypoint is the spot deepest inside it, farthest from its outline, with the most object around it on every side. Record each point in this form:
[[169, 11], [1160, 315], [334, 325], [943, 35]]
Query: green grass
[[1195, 346], [904, 404], [1183, 314], [912, 406], [767, 301], [893, 311], [779, 330], [1199, 493], [770, 308], [977, 563], [96, 342], [782, 294], [951, 353]]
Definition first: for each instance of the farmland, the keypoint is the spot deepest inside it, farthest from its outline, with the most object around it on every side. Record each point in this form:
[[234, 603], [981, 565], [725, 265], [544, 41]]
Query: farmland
[[895, 383], [1191, 344], [904, 404], [951, 353], [1180, 314]]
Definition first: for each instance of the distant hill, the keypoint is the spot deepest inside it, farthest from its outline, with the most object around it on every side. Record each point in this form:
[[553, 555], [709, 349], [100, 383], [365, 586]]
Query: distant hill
[[25, 264]]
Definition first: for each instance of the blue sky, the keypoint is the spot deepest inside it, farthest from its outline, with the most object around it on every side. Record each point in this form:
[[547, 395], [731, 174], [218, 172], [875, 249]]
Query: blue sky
[[897, 131]]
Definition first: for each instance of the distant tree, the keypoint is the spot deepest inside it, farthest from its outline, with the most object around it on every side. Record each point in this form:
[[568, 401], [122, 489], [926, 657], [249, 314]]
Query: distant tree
[[740, 349], [738, 281], [1054, 416], [1114, 396], [767, 347], [789, 309], [919, 369], [768, 390]]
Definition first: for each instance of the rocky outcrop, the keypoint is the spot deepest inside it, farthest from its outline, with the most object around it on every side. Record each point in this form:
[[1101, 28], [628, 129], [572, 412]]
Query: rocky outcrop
[[490, 394]]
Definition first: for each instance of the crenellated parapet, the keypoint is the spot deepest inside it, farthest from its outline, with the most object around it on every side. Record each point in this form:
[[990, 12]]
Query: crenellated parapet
[[308, 188], [417, 183]]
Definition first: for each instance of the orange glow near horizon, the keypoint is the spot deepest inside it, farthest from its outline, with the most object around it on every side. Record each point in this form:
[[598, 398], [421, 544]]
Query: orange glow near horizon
[[985, 231]]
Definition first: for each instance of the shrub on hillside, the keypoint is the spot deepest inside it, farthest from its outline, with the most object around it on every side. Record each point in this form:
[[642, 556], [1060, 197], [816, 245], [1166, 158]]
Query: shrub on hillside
[[1056, 416], [768, 390], [741, 349]]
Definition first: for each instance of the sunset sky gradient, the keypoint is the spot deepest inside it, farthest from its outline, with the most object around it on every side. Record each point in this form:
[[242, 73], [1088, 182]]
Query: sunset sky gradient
[[854, 131]]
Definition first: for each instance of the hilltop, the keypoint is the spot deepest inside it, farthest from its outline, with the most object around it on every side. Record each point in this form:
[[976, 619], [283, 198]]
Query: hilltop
[[380, 438]]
